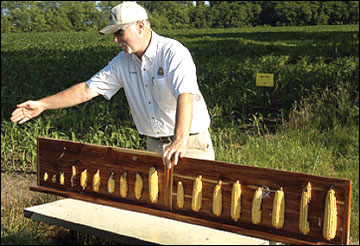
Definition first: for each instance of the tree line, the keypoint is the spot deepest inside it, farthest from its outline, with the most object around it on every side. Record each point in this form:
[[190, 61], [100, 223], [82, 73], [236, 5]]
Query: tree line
[[46, 16]]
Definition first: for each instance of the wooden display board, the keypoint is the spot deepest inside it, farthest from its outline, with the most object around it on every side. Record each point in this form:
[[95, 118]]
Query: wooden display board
[[58, 156]]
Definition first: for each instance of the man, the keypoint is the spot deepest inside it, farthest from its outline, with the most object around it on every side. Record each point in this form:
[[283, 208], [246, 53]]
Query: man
[[159, 79]]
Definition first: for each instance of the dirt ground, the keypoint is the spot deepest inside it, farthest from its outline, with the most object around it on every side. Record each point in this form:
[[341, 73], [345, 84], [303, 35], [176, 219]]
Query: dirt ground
[[15, 188]]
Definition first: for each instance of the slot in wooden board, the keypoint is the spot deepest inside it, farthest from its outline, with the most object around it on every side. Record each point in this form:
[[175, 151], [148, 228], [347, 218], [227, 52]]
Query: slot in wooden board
[[55, 156]]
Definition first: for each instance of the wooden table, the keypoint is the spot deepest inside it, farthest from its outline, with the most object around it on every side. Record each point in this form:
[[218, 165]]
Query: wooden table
[[131, 227]]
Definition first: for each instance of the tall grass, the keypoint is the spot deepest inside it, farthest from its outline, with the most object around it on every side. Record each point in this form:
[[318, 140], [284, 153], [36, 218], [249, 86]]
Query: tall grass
[[318, 103], [321, 137]]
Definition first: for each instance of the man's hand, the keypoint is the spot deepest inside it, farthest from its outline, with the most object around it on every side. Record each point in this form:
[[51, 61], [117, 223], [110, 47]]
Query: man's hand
[[175, 150], [72, 96], [26, 111]]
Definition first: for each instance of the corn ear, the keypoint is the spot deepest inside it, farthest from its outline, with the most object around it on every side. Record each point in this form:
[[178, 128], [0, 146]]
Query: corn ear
[[330, 215], [73, 175], [304, 226], [123, 185], [46, 176], [96, 181], [278, 211], [236, 201], [217, 199], [256, 206], [83, 179], [53, 179], [196, 201], [153, 185], [180, 195], [62, 178], [111, 183], [138, 186]]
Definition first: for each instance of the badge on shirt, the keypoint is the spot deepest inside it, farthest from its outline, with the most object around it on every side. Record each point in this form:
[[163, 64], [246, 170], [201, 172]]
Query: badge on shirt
[[160, 71]]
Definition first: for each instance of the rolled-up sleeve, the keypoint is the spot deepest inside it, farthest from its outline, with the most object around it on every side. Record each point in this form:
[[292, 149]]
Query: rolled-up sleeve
[[107, 81]]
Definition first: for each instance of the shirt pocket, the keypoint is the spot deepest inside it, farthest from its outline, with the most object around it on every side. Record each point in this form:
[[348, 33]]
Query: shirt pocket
[[162, 91]]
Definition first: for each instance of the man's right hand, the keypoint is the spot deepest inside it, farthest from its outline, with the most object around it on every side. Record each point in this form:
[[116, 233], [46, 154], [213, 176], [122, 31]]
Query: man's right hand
[[26, 111]]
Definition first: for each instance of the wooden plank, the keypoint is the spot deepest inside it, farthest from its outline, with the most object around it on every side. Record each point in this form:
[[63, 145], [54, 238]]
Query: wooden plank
[[253, 177], [60, 156], [55, 156]]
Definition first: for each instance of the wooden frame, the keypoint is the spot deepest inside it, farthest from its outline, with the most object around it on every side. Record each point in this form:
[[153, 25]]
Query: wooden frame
[[55, 156]]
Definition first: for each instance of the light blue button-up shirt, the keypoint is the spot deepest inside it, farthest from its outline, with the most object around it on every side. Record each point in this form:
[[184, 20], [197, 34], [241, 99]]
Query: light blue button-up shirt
[[153, 84]]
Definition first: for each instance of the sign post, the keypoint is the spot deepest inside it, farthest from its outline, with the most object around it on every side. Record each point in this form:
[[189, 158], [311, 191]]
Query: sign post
[[264, 80]]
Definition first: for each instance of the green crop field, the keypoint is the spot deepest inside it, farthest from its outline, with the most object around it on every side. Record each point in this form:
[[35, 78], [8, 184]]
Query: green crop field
[[308, 122]]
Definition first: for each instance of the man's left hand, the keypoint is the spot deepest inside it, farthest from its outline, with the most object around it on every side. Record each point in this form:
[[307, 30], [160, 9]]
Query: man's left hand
[[175, 150]]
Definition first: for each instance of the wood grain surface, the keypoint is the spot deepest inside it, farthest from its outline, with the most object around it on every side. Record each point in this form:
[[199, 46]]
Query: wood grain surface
[[55, 156]]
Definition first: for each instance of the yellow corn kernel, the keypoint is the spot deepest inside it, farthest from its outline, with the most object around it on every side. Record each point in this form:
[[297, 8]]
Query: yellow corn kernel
[[83, 179], [236, 201], [304, 226], [138, 186], [330, 215], [217, 199], [180, 195], [96, 181], [111, 184], [256, 206], [196, 201], [62, 178], [46, 176], [153, 185], [123, 185], [73, 175], [278, 211], [53, 179]]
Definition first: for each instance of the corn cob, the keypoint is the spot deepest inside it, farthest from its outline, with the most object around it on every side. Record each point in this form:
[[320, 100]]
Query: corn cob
[[83, 179], [153, 185], [123, 185], [62, 178], [73, 175], [304, 226], [256, 206], [196, 201], [217, 199], [53, 179], [96, 181], [180, 195], [236, 201], [111, 184], [278, 211], [46, 176], [138, 186], [330, 215]]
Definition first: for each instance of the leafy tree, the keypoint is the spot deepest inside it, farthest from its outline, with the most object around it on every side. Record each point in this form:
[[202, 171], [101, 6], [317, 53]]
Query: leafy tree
[[38, 20], [353, 9], [158, 21], [42, 16], [200, 16]]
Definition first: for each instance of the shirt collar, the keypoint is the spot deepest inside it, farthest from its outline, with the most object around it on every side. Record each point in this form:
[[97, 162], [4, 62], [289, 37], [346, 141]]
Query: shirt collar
[[150, 52]]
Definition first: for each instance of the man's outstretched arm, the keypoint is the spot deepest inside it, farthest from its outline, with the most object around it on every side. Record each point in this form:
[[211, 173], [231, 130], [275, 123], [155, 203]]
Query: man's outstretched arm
[[72, 96]]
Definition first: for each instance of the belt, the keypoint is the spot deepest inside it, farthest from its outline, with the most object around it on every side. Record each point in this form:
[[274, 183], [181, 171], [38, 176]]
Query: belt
[[169, 138]]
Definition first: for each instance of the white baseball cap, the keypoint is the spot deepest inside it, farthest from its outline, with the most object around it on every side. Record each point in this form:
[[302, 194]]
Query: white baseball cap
[[123, 14]]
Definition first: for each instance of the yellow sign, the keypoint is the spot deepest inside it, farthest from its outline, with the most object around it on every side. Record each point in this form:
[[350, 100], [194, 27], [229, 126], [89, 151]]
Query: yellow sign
[[265, 79]]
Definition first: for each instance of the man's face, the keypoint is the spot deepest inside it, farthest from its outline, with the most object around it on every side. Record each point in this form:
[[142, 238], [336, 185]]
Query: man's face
[[128, 38]]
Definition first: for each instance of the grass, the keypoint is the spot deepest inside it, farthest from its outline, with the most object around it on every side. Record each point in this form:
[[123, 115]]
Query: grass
[[298, 150], [320, 135], [303, 151], [306, 150]]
